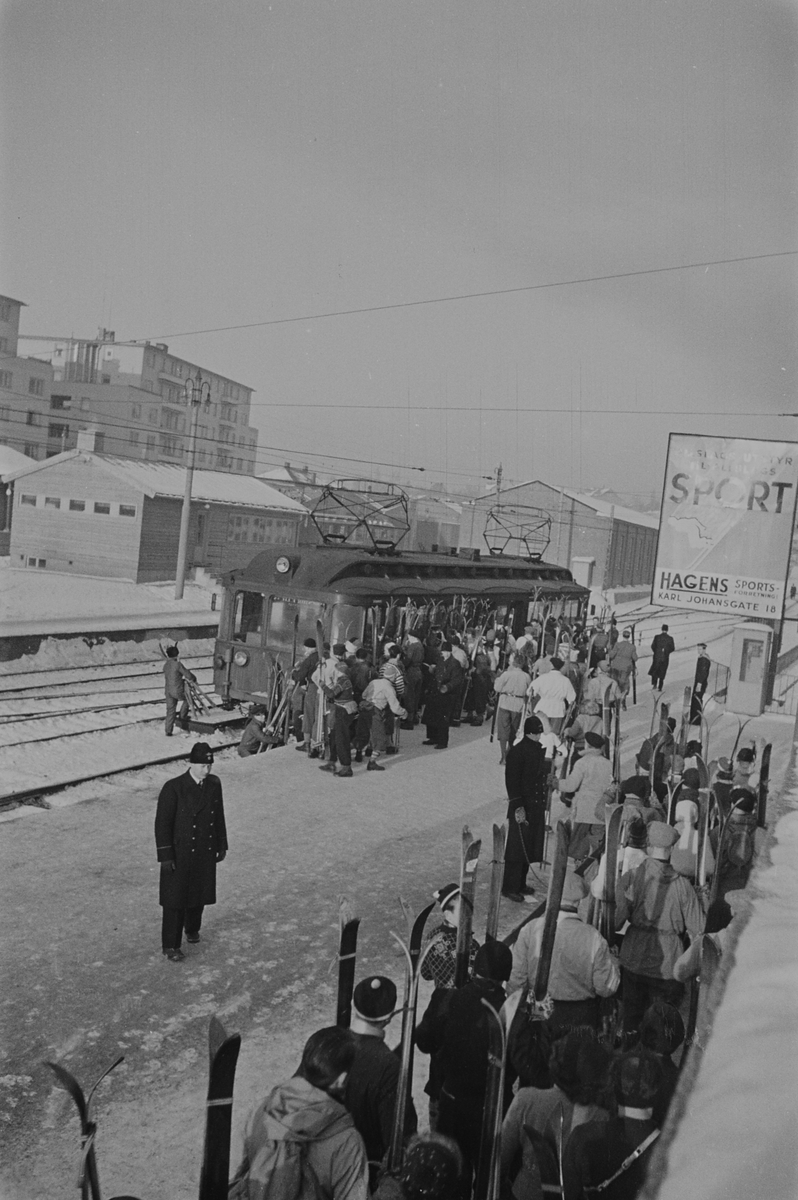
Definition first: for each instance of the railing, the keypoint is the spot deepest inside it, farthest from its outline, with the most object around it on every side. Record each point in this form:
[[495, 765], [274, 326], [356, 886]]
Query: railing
[[785, 695]]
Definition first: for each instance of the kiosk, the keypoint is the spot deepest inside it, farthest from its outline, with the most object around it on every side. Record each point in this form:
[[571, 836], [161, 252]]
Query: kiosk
[[748, 670]]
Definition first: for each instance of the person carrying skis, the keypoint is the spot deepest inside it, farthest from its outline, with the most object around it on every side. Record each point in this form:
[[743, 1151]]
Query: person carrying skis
[[380, 701], [190, 839], [440, 961], [370, 1094], [526, 776], [305, 693], [456, 1033], [253, 736], [339, 691], [661, 908], [554, 694], [413, 662], [175, 675], [582, 968], [300, 1143], [610, 1158]]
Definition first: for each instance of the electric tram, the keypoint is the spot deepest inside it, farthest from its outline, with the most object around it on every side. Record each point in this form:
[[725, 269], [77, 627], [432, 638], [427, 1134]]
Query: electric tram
[[271, 606]]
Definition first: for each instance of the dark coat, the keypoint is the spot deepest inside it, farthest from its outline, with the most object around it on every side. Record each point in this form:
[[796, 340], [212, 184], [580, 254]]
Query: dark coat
[[190, 832], [454, 1030], [526, 778], [662, 648], [174, 675], [370, 1095]]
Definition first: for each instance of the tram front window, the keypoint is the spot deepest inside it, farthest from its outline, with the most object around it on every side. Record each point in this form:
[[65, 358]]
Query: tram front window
[[248, 618], [347, 623], [283, 621]]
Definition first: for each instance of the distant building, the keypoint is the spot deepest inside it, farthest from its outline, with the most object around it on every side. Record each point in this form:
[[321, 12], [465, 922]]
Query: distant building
[[606, 546], [434, 522], [25, 387], [95, 514], [134, 395], [10, 460]]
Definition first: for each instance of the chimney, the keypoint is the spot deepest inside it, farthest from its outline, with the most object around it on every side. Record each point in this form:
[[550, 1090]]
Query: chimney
[[87, 439]]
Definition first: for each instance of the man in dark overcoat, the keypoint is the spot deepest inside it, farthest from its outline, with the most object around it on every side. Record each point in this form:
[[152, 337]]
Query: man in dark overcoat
[[190, 838], [662, 647], [448, 679], [526, 775]]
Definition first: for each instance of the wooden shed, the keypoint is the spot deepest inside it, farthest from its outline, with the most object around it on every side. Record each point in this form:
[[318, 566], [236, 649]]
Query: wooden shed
[[95, 514]]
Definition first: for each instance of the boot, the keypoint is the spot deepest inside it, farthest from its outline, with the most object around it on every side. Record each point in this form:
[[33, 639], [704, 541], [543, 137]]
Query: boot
[[374, 766]]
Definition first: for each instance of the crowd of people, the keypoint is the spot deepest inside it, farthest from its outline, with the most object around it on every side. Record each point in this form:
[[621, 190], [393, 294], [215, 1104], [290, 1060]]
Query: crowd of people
[[590, 1076]]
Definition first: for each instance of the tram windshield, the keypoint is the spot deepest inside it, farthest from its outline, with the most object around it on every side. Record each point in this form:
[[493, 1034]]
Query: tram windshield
[[347, 623], [288, 617], [248, 618]]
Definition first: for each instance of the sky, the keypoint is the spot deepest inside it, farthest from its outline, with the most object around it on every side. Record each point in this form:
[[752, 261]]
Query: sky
[[177, 166]]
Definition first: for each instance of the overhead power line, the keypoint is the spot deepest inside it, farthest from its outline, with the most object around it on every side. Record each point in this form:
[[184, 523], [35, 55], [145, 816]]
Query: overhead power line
[[532, 287]]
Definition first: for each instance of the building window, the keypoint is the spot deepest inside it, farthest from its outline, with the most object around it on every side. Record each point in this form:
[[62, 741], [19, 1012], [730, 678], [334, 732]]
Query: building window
[[60, 401], [77, 505], [153, 417], [5, 412], [6, 379], [52, 501], [3, 345], [127, 510], [85, 403], [5, 310], [56, 430], [136, 410], [239, 464], [31, 449], [99, 443], [134, 436], [102, 509], [106, 378], [36, 386], [33, 418], [37, 562], [25, 498]]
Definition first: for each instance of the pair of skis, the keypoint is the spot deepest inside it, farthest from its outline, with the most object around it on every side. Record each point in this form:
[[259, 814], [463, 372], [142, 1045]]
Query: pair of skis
[[488, 1179], [224, 1049]]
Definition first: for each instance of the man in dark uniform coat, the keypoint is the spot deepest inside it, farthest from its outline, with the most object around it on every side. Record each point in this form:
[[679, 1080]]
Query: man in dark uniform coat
[[662, 647], [702, 669], [526, 775], [190, 838], [373, 1079], [438, 711]]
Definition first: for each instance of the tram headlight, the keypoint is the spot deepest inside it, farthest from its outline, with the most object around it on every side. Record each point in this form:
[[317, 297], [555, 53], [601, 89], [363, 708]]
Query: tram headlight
[[240, 658], [283, 565]]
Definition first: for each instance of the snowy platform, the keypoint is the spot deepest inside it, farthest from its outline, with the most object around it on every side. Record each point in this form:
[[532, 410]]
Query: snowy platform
[[46, 602]]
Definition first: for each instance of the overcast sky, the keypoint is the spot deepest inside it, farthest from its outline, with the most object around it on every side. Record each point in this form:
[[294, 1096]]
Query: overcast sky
[[179, 165]]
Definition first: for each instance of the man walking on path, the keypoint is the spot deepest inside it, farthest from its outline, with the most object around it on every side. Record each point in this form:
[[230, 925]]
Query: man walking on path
[[622, 660], [662, 647], [175, 675], [300, 1142], [190, 838], [526, 778]]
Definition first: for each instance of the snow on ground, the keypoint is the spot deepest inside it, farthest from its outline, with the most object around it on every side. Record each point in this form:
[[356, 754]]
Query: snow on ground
[[51, 602], [57, 654]]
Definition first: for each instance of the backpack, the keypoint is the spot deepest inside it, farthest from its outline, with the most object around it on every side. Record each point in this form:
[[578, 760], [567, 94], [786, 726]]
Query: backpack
[[280, 1169]]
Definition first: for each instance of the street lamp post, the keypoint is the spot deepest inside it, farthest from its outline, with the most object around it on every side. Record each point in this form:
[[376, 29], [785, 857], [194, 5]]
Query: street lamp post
[[196, 391]]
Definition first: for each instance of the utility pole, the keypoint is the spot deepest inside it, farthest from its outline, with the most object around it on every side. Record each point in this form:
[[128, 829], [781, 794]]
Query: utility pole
[[499, 486], [196, 391]]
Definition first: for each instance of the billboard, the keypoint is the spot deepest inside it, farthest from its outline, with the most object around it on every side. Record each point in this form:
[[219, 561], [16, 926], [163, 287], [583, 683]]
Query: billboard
[[725, 528]]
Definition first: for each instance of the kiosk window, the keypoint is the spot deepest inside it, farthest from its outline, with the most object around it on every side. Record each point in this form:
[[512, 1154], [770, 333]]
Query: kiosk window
[[752, 663], [248, 618]]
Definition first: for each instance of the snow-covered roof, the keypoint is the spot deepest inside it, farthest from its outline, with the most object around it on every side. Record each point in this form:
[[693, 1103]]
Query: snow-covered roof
[[165, 479], [13, 460], [602, 507]]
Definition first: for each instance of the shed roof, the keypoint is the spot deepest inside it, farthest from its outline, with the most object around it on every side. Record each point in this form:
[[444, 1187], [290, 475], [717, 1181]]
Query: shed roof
[[165, 479], [601, 507]]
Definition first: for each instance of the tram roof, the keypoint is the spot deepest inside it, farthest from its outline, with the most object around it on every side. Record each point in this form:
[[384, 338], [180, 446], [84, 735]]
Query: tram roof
[[344, 568]]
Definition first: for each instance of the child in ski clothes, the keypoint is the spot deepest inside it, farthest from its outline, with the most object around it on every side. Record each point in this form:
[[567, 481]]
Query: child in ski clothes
[[719, 916], [586, 785], [661, 907], [300, 1143], [582, 968], [439, 964], [381, 700]]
